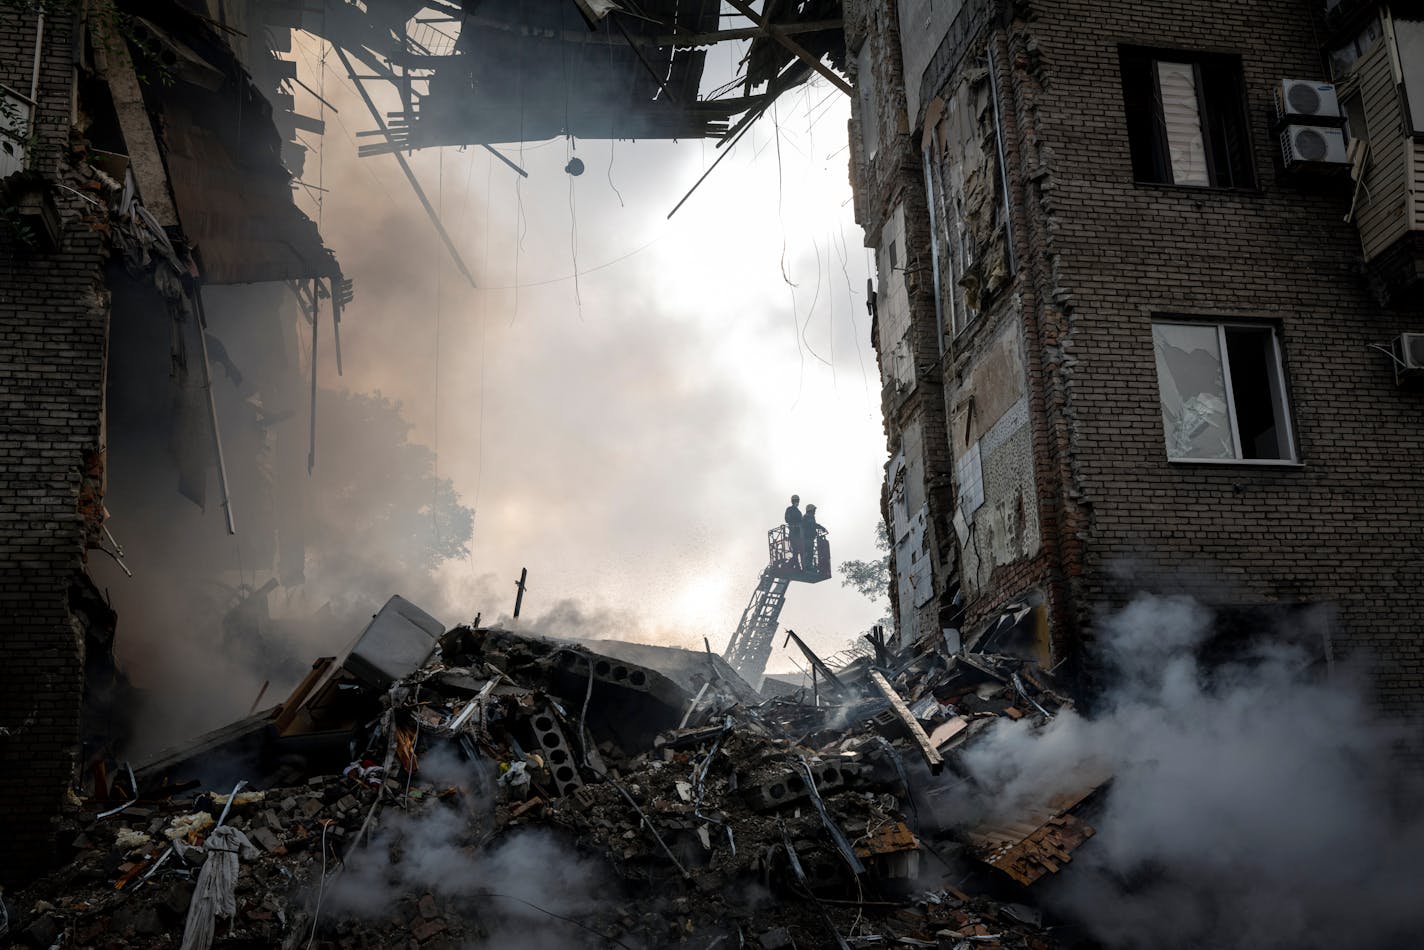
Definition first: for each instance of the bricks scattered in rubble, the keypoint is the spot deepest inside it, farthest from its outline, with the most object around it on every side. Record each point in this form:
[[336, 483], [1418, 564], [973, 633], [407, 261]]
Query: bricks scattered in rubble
[[774, 824]]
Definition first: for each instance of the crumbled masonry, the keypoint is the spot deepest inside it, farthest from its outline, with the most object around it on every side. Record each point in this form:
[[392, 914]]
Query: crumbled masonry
[[711, 817]]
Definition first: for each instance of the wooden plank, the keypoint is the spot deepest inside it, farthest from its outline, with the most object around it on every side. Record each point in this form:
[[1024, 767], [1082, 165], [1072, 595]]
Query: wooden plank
[[111, 58], [799, 51], [927, 749]]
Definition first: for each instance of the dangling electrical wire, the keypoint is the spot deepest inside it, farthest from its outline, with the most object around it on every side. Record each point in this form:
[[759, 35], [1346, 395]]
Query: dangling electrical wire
[[843, 252], [811, 311], [573, 240], [795, 320], [321, 150], [520, 224], [572, 166], [612, 130]]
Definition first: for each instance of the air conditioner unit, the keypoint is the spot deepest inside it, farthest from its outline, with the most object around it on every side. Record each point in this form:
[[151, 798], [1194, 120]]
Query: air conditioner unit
[[1304, 101], [1308, 146], [1408, 349]]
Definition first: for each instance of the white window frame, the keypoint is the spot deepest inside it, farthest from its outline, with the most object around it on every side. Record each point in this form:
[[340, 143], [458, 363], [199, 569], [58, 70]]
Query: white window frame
[[1277, 386]]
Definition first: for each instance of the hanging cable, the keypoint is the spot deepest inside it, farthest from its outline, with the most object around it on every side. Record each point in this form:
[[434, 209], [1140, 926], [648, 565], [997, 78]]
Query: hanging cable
[[795, 321], [811, 311], [573, 244], [612, 130], [572, 166]]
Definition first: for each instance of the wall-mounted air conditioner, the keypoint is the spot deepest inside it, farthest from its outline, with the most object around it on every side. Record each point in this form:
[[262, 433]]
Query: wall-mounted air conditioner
[[1306, 102], [1408, 349], [1308, 146]]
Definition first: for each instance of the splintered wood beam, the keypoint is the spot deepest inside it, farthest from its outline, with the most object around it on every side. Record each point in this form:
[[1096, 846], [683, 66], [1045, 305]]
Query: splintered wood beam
[[688, 40], [799, 51], [897, 703], [405, 167]]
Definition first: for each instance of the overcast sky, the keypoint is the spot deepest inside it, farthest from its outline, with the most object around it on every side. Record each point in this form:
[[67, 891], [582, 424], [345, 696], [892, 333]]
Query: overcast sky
[[628, 437]]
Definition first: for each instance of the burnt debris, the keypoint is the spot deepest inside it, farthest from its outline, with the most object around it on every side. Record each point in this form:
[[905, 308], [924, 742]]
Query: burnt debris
[[441, 788]]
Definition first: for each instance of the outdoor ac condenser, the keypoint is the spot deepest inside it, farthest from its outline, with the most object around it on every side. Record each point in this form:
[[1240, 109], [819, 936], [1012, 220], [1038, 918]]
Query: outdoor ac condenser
[[1408, 349], [1308, 146], [1307, 102]]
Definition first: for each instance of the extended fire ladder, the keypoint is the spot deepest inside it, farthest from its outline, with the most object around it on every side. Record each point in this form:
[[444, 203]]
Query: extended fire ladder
[[750, 646]]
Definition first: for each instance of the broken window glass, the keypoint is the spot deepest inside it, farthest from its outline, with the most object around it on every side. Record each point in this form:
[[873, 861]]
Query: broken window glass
[[1193, 386], [1344, 57], [1222, 392]]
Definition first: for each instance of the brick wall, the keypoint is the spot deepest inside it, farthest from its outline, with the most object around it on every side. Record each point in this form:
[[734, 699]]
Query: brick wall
[[1101, 255], [892, 178], [1347, 525], [53, 327]]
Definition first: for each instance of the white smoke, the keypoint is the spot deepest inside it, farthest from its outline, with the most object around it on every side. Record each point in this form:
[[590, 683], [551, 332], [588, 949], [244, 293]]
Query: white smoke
[[518, 886], [1253, 805]]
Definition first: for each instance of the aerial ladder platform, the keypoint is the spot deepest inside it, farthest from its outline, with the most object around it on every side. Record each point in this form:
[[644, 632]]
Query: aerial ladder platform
[[808, 562]]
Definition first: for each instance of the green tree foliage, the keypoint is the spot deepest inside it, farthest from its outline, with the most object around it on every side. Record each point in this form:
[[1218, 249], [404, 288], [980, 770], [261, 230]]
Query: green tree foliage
[[870, 578], [376, 493]]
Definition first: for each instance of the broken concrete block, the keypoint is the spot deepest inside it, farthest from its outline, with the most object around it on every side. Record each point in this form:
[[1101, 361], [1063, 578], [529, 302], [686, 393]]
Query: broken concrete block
[[267, 839]]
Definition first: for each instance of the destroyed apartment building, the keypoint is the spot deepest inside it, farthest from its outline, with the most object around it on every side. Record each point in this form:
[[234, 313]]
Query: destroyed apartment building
[[167, 304], [1147, 316], [1149, 313], [408, 789], [142, 172]]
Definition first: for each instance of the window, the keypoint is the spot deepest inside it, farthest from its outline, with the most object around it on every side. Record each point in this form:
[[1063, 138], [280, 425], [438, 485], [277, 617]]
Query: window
[[1186, 118], [1344, 57], [1410, 36], [1223, 392], [1355, 127]]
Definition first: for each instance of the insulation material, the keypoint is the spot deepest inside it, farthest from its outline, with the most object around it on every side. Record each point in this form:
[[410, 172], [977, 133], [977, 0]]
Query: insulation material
[[869, 103], [911, 556], [969, 477], [893, 306], [996, 519], [968, 196]]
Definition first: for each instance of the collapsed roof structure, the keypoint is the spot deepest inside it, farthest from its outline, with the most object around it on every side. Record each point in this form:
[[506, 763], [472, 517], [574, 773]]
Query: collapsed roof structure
[[711, 815]]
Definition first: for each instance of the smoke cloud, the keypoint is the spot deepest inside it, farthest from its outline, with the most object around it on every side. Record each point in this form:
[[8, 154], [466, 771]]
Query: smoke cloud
[[512, 885], [1253, 804]]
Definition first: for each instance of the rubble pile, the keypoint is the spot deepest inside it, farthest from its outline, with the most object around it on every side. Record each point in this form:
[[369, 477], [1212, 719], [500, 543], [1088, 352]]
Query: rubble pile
[[448, 789]]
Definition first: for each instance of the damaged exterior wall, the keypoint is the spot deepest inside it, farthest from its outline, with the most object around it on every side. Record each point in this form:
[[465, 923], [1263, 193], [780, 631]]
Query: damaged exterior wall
[[90, 220], [891, 206], [53, 325], [1050, 376]]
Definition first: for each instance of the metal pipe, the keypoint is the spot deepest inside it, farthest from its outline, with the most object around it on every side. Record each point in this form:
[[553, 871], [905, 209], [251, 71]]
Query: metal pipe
[[315, 322], [1003, 164], [336, 319], [406, 169], [202, 319], [35, 74], [934, 248]]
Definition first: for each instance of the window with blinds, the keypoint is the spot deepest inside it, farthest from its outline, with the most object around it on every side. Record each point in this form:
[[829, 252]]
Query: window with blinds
[[1186, 118]]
